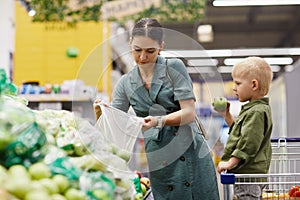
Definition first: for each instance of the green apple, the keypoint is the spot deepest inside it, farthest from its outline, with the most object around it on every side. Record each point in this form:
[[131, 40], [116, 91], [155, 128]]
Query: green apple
[[124, 154], [37, 195], [18, 186], [18, 171], [144, 188], [220, 103], [5, 139], [36, 185], [111, 148], [79, 148], [39, 171], [138, 196], [57, 197], [49, 185], [62, 182], [74, 194], [101, 194], [3, 175]]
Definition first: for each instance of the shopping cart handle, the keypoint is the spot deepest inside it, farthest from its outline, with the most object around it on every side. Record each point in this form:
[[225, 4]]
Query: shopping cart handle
[[227, 178], [285, 139]]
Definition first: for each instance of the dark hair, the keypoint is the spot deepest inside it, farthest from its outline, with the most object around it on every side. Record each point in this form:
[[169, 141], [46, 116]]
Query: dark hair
[[148, 27]]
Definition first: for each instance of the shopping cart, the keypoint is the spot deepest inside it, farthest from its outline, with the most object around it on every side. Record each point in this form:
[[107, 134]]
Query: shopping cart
[[284, 173]]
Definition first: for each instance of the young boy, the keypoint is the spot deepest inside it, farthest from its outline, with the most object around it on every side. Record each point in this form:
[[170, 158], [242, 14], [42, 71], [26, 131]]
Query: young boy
[[248, 148]]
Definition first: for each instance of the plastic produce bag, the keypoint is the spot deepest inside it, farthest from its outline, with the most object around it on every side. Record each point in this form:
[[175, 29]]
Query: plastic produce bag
[[15, 117], [120, 128], [29, 147]]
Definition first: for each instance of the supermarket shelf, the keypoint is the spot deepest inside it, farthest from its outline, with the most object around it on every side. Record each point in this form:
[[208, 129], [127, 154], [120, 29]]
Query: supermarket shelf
[[54, 97]]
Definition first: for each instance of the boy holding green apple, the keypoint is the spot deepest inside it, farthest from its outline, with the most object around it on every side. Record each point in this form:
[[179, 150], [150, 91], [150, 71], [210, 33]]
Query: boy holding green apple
[[248, 148]]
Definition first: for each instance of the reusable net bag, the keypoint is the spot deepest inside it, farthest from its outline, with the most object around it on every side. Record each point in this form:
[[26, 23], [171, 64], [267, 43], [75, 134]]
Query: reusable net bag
[[119, 128]]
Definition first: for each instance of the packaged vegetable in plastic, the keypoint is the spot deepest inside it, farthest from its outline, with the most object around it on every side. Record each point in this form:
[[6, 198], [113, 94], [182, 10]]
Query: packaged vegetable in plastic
[[28, 147], [15, 117]]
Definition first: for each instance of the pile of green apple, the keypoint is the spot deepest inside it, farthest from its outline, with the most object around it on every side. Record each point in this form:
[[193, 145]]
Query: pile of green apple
[[36, 183]]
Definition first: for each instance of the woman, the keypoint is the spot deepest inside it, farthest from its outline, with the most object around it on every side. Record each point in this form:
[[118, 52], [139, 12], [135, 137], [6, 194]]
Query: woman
[[160, 90]]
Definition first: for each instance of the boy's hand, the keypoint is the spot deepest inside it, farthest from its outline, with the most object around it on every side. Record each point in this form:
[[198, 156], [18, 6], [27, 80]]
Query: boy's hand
[[222, 166], [223, 113], [228, 165]]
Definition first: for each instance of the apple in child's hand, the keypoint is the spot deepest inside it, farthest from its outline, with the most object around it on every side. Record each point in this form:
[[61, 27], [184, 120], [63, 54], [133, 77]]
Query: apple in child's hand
[[220, 103]]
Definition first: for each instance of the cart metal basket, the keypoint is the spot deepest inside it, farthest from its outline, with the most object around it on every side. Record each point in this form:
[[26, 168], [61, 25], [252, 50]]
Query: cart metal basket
[[284, 173]]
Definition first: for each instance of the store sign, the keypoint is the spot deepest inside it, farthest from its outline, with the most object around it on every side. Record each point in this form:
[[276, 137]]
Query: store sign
[[122, 8]]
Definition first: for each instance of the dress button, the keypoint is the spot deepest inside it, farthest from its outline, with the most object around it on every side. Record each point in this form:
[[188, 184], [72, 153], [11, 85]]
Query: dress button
[[182, 158], [187, 184], [170, 188]]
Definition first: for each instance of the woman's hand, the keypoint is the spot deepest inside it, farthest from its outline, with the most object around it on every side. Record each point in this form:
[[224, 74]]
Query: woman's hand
[[97, 108], [149, 122]]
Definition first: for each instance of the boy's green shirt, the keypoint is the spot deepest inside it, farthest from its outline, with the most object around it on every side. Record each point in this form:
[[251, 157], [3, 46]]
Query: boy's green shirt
[[249, 138]]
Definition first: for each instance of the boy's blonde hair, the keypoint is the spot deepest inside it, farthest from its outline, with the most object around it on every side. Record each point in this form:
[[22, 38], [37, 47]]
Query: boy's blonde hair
[[255, 68]]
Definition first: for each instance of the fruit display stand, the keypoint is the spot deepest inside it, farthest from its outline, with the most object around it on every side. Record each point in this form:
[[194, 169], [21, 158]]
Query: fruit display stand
[[55, 155], [79, 104]]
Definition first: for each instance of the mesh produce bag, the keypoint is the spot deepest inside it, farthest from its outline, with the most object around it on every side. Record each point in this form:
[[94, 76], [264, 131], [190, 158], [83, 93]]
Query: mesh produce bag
[[119, 128]]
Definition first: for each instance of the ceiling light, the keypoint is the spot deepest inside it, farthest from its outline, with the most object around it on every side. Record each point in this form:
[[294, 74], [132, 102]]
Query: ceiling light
[[197, 53], [289, 68], [205, 33], [225, 69], [294, 51], [202, 62], [31, 13], [271, 61], [254, 2], [275, 68], [231, 52], [199, 70]]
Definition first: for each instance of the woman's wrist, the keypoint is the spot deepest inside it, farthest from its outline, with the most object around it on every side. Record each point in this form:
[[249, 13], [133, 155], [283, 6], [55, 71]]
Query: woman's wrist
[[160, 122]]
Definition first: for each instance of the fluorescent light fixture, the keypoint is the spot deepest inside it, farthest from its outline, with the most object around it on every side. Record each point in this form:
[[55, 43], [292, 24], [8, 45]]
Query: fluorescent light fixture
[[225, 69], [275, 68], [231, 52], [294, 51], [254, 2], [271, 61], [289, 68], [205, 33], [202, 62], [200, 70], [197, 53], [228, 69]]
